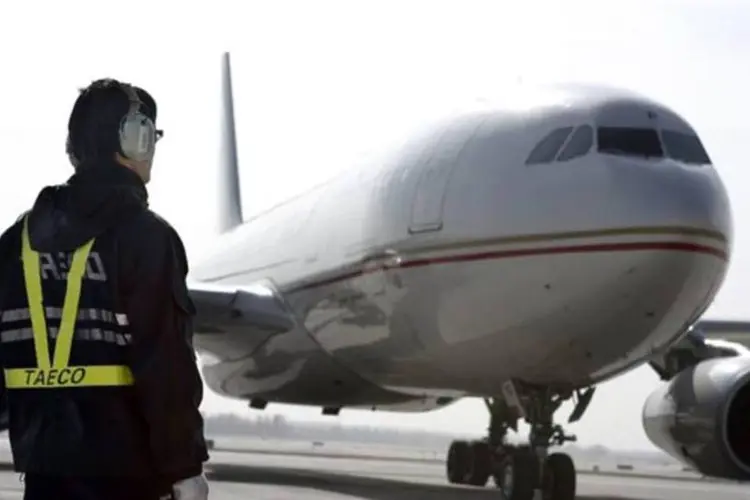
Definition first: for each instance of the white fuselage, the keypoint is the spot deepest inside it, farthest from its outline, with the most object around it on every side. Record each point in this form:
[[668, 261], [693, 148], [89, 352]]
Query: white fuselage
[[451, 264]]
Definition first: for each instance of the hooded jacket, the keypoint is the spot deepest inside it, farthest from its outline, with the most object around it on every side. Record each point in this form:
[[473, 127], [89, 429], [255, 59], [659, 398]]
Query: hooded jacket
[[152, 428]]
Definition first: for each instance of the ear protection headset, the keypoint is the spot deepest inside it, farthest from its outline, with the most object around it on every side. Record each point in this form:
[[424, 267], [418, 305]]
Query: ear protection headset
[[137, 134]]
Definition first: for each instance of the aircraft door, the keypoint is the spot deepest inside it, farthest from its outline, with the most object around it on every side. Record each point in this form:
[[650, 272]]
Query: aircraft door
[[436, 167]]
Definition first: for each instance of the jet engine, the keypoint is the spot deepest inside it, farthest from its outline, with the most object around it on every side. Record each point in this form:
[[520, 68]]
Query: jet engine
[[700, 417]]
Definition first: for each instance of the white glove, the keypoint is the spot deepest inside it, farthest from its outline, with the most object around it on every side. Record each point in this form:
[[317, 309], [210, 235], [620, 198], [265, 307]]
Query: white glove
[[192, 488]]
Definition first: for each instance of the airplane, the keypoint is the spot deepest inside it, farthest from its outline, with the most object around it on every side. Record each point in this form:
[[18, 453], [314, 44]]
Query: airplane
[[522, 252]]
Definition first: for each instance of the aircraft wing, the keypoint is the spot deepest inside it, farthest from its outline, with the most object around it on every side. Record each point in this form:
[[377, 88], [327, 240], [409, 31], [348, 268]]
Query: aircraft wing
[[732, 330], [256, 308]]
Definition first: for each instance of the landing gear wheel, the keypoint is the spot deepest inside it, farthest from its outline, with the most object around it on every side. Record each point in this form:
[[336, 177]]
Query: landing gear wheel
[[559, 477], [519, 475], [457, 460], [468, 463], [481, 464]]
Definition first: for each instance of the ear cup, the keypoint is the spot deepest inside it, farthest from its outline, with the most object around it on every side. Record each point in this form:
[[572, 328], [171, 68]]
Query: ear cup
[[137, 137], [137, 132]]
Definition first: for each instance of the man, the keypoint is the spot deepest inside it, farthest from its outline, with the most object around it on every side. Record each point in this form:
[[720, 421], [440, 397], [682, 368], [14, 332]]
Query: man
[[101, 380]]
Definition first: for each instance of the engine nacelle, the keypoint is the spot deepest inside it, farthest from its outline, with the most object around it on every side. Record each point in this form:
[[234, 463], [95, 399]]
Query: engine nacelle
[[701, 417]]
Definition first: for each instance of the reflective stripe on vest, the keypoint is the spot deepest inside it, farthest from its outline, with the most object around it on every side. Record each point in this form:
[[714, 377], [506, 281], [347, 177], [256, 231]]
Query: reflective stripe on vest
[[57, 373]]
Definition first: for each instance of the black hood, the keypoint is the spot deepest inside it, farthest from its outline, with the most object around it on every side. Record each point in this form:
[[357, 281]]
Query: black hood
[[94, 199]]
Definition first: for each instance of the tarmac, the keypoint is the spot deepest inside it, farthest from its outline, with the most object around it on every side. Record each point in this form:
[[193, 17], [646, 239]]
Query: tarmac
[[252, 471]]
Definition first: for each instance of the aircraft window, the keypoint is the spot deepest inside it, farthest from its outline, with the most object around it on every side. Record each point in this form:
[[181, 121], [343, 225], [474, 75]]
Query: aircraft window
[[546, 150], [683, 147], [579, 144], [623, 141]]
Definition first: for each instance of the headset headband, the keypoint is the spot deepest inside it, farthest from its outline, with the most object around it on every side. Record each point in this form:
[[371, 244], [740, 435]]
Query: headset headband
[[134, 100]]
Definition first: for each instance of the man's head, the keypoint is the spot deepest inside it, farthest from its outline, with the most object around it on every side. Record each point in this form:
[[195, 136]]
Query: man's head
[[113, 120]]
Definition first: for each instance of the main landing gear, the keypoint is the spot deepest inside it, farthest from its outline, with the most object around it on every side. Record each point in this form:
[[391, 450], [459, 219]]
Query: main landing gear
[[525, 472]]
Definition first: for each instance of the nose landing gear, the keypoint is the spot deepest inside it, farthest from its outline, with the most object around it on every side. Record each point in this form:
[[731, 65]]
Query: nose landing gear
[[526, 472]]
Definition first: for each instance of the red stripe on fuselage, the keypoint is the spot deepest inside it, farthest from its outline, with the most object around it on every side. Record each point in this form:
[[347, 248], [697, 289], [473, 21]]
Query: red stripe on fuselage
[[527, 252]]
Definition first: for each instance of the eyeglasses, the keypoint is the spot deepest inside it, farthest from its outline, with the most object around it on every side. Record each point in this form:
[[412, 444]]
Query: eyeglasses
[[159, 134]]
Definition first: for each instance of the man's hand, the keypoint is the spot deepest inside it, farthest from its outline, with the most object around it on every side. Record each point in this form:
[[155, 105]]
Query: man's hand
[[193, 488]]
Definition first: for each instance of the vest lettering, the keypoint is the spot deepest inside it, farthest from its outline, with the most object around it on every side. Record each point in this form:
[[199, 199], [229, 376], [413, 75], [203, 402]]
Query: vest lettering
[[48, 267], [95, 268], [78, 375], [55, 377], [57, 266]]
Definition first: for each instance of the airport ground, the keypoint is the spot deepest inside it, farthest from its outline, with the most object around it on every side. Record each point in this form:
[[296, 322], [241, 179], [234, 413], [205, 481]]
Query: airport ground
[[265, 470]]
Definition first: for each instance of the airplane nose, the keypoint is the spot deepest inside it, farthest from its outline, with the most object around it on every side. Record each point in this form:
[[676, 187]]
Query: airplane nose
[[585, 265], [680, 216]]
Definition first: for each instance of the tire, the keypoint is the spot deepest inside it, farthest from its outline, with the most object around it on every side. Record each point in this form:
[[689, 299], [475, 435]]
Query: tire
[[519, 475], [480, 465], [457, 462], [559, 477]]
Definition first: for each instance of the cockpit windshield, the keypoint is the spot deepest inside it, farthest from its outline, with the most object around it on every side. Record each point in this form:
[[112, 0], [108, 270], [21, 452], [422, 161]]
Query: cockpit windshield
[[625, 141], [566, 143], [562, 144], [546, 150], [652, 143], [683, 147]]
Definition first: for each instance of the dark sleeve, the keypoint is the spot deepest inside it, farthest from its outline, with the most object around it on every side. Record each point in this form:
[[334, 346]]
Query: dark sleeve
[[163, 362], [8, 249]]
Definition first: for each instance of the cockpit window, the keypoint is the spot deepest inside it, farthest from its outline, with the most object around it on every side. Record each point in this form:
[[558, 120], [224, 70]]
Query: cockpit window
[[624, 141], [546, 150], [686, 148], [579, 144]]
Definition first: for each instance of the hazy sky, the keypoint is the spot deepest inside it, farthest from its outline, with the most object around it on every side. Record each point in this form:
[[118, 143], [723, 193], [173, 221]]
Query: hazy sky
[[315, 82]]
